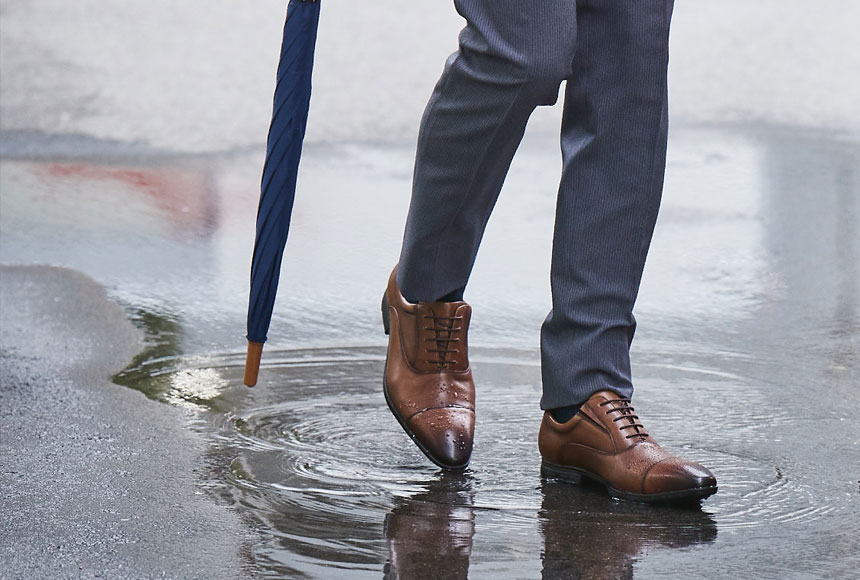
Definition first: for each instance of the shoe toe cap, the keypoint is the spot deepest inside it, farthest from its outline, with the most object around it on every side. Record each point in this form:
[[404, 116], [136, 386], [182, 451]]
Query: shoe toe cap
[[445, 435], [675, 475]]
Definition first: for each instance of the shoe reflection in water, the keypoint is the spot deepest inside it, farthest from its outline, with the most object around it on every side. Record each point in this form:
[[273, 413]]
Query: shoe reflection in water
[[430, 535], [589, 535]]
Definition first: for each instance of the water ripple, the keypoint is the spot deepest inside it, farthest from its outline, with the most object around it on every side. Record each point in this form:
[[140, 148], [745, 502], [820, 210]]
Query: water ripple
[[314, 455]]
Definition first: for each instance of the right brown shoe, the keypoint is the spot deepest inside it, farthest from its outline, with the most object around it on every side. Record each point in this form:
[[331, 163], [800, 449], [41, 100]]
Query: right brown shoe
[[605, 442], [427, 380]]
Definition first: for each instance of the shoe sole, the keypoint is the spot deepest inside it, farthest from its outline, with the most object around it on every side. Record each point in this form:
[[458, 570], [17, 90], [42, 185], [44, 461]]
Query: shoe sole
[[579, 476], [386, 324]]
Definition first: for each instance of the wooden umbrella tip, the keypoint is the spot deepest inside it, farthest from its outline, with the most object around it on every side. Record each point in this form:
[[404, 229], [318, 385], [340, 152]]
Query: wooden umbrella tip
[[252, 362]]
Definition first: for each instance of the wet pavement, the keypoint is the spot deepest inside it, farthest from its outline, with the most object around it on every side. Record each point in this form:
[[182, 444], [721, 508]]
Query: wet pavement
[[95, 481], [747, 357]]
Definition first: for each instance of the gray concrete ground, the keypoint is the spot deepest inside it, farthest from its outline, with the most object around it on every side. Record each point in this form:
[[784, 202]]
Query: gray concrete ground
[[131, 141], [97, 481]]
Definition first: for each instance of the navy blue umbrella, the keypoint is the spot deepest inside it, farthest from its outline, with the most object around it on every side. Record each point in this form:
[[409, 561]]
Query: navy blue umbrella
[[278, 190]]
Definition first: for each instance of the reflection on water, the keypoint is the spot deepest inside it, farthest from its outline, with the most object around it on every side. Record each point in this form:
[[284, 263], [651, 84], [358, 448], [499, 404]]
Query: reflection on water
[[429, 535], [163, 344], [587, 535]]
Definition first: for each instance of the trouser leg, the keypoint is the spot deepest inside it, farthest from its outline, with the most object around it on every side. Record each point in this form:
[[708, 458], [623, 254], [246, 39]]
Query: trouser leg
[[512, 57], [614, 148]]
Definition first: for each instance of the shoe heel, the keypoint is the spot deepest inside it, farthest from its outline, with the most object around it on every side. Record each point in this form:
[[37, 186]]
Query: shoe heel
[[550, 471], [386, 324]]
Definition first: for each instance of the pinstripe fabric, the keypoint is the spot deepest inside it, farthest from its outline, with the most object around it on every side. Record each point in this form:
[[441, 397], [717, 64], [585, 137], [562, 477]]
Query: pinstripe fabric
[[513, 56]]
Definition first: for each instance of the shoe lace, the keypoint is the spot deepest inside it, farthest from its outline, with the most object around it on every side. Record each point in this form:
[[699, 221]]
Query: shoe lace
[[626, 412], [445, 340]]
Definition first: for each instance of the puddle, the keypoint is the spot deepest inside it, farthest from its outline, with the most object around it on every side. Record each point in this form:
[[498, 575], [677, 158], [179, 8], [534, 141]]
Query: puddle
[[314, 457]]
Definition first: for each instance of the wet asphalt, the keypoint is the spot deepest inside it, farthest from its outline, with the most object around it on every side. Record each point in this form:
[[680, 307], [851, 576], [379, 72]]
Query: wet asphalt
[[97, 482], [130, 151]]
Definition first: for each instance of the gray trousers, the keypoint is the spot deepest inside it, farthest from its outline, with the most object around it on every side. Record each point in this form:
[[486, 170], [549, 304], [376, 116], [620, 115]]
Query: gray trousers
[[513, 56]]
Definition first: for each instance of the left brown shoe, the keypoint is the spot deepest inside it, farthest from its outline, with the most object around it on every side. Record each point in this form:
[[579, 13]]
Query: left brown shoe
[[427, 379], [606, 443]]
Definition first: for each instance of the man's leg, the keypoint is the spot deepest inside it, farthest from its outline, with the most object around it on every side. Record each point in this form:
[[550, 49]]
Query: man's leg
[[513, 57], [614, 146]]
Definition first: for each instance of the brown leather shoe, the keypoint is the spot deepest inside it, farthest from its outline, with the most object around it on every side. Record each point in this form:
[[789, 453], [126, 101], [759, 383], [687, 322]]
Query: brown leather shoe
[[606, 443], [427, 382]]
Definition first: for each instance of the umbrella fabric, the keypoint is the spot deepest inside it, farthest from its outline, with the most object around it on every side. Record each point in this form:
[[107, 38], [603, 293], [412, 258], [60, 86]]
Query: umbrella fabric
[[278, 188], [284, 148]]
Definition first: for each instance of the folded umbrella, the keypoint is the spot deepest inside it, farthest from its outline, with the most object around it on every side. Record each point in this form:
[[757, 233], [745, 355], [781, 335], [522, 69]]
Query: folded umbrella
[[278, 188]]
